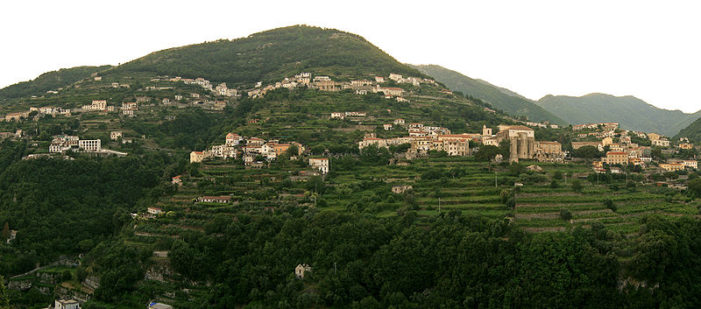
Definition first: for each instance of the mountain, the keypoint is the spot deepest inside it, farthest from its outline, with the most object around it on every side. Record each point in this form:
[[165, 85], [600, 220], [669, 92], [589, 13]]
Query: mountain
[[631, 112], [693, 132], [501, 98], [270, 55], [49, 81]]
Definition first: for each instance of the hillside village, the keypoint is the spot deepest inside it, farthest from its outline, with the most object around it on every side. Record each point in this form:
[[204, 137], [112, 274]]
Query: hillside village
[[167, 190]]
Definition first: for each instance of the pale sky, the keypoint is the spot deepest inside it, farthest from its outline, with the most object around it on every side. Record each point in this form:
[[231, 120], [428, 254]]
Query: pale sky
[[649, 49]]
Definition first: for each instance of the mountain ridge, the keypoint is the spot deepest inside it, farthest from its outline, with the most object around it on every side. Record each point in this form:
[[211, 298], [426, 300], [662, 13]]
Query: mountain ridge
[[499, 97], [631, 112]]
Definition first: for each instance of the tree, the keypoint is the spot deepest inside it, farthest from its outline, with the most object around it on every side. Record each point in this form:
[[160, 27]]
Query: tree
[[293, 150], [586, 152], [577, 185], [694, 187], [610, 205], [565, 214], [4, 298], [6, 231]]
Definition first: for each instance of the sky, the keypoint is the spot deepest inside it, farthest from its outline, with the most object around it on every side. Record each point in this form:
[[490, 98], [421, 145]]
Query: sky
[[649, 49]]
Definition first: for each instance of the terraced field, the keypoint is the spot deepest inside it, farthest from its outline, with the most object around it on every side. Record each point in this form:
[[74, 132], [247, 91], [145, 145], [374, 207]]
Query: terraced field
[[461, 185]]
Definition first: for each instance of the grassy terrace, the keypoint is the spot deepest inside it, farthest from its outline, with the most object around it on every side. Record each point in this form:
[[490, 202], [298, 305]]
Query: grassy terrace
[[368, 189]]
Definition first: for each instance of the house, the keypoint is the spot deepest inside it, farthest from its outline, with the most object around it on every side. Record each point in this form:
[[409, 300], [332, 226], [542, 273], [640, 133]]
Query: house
[[154, 210], [115, 135], [11, 237], [177, 180], [130, 106], [301, 269], [662, 142], [672, 167], [615, 157], [338, 115], [686, 146], [653, 136], [233, 139], [223, 151], [379, 79], [198, 156], [402, 100], [66, 304], [401, 189], [399, 122], [16, 116], [322, 164], [387, 126], [255, 141], [214, 199], [390, 91], [90, 145], [395, 77], [129, 113]]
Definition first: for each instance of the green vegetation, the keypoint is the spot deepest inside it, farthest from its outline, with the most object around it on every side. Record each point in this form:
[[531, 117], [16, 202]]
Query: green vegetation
[[271, 55], [500, 98], [631, 112], [692, 132], [49, 81], [378, 230]]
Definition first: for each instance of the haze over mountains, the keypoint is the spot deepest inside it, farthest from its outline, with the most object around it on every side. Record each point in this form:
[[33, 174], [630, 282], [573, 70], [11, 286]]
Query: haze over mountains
[[500, 98], [631, 112]]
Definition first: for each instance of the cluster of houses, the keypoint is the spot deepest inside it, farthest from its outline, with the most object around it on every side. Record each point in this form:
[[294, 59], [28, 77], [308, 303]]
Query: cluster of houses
[[221, 89], [620, 150], [65, 143], [423, 139], [325, 83], [46, 110], [255, 152]]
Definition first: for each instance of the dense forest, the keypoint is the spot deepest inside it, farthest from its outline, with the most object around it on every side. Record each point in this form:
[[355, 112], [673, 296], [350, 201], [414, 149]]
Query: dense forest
[[66, 207]]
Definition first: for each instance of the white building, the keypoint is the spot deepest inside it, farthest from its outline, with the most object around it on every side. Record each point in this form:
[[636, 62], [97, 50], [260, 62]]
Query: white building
[[90, 145], [66, 304], [322, 164], [115, 135]]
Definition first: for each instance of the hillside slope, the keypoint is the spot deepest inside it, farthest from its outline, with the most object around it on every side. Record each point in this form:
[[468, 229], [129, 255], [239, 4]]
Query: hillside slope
[[49, 81], [271, 55], [506, 100], [693, 132], [630, 112]]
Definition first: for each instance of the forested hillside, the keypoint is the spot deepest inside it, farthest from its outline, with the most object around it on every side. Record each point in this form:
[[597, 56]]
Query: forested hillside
[[49, 81], [499, 98], [631, 112], [692, 132], [272, 55]]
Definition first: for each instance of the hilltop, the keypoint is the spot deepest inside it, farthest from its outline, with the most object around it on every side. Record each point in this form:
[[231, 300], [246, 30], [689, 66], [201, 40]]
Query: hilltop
[[631, 112], [271, 55], [49, 81], [500, 98]]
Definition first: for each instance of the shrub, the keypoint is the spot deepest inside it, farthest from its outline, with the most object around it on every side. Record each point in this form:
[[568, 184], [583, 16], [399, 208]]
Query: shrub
[[610, 205], [577, 186], [565, 214], [554, 184]]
